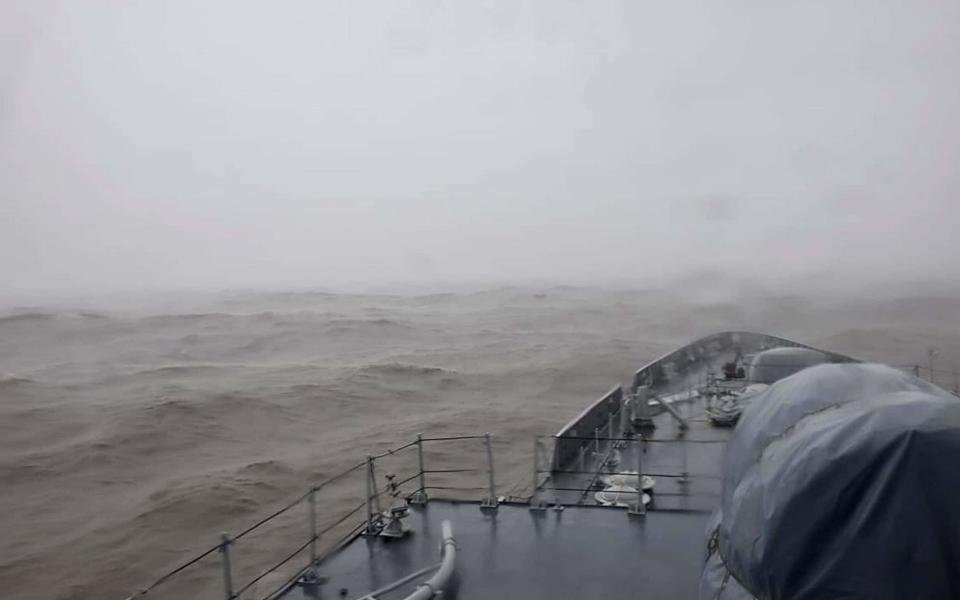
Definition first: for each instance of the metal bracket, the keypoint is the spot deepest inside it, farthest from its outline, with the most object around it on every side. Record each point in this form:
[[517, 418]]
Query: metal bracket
[[537, 503], [673, 413], [312, 576]]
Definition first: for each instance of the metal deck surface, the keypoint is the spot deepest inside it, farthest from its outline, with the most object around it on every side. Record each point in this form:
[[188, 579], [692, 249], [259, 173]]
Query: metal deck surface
[[512, 552], [584, 551]]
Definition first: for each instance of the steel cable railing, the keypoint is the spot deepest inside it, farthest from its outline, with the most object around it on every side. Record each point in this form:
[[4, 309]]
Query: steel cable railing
[[640, 438], [373, 496], [291, 580], [227, 542], [168, 575], [452, 438], [634, 473]]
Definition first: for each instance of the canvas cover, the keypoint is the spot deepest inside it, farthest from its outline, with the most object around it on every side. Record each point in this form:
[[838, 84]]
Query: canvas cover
[[840, 481], [773, 365]]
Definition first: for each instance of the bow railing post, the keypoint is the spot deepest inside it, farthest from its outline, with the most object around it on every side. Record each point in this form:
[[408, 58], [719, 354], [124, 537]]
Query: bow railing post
[[535, 502], [312, 507], [420, 496], [490, 501], [639, 508], [225, 542], [373, 500]]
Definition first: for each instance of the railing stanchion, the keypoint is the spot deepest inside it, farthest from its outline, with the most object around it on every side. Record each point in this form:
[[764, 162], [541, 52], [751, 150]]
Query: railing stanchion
[[371, 499], [610, 428], [420, 496], [491, 500], [535, 502], [227, 576], [684, 473], [639, 508], [312, 507]]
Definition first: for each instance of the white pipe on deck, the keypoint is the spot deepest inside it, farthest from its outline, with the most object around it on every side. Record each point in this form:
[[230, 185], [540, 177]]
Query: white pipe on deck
[[441, 578]]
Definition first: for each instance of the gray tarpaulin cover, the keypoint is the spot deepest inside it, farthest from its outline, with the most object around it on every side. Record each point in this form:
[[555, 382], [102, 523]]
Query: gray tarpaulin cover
[[841, 481], [775, 364]]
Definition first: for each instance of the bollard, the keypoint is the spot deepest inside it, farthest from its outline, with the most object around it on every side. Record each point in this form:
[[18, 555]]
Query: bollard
[[312, 506], [420, 496], [227, 577], [491, 500]]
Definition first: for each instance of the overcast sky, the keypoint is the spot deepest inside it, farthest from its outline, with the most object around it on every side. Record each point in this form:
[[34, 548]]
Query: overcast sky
[[210, 144]]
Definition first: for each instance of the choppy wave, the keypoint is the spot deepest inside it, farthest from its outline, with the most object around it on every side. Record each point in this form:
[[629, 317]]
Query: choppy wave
[[400, 369], [9, 380], [26, 317]]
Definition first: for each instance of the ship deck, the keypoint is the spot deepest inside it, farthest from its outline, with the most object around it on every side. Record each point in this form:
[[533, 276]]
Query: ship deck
[[513, 552], [562, 543], [582, 551]]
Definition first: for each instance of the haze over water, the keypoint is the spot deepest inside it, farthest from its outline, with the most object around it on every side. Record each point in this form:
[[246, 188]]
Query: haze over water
[[244, 245]]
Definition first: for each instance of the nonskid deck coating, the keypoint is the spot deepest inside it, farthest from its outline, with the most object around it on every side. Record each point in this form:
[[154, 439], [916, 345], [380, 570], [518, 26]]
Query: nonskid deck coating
[[583, 552], [512, 552]]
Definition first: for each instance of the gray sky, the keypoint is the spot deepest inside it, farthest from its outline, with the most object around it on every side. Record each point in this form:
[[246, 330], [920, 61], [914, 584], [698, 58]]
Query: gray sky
[[157, 144]]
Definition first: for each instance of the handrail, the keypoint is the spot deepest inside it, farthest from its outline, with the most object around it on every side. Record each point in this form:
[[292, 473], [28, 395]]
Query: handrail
[[224, 547], [441, 578]]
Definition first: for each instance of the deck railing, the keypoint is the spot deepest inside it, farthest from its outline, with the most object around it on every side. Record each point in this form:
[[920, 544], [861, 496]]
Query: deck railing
[[428, 482]]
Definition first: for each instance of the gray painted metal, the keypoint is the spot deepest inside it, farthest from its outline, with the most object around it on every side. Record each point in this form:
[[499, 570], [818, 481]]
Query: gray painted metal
[[587, 423], [225, 558], [490, 501], [441, 578], [579, 553], [678, 372]]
